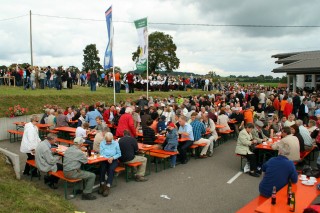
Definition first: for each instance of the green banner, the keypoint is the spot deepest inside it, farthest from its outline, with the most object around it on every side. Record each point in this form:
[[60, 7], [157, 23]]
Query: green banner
[[142, 29]]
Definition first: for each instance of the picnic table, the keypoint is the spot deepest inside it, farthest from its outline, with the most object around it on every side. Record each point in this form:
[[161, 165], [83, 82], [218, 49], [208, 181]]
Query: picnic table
[[219, 126], [91, 160], [266, 150], [304, 195], [64, 131], [21, 124]]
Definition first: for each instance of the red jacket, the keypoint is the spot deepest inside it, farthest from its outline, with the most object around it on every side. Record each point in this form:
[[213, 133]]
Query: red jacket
[[130, 78], [106, 115], [287, 109], [126, 122]]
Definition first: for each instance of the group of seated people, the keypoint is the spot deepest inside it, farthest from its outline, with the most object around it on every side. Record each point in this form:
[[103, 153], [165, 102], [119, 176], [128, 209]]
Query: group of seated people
[[193, 119]]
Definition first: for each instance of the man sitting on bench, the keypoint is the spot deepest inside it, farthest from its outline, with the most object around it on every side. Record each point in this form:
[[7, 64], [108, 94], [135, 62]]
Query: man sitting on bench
[[73, 158], [129, 149], [46, 162]]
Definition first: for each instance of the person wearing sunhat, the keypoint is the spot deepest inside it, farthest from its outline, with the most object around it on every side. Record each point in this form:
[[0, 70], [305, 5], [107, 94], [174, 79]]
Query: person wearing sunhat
[[257, 132], [73, 159]]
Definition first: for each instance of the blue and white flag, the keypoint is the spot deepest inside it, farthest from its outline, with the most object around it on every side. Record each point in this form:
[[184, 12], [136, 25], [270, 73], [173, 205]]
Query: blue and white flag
[[108, 58]]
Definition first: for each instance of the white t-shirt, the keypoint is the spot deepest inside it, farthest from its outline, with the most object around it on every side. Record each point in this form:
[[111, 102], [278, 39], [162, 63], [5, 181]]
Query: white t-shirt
[[81, 132]]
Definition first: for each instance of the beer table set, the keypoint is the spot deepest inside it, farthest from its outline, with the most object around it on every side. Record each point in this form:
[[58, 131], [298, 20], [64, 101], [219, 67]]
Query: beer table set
[[266, 150], [63, 131], [304, 195]]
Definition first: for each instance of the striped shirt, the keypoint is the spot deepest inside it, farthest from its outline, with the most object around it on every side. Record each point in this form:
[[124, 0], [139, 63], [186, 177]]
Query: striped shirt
[[198, 129]]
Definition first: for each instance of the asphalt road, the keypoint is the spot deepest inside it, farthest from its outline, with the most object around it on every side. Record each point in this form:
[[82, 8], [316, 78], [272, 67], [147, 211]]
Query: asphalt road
[[198, 186]]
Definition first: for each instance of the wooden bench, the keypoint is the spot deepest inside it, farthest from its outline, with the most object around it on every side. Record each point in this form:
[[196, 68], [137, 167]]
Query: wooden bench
[[252, 205], [59, 174], [15, 134], [131, 166], [117, 171], [224, 135], [196, 148], [158, 156], [53, 131], [61, 140], [242, 157], [33, 166], [164, 152]]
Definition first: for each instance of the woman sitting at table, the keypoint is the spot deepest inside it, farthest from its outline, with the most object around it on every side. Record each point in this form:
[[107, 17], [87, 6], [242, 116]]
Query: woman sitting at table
[[223, 119], [295, 132], [109, 149], [148, 133], [99, 137], [244, 141], [82, 131]]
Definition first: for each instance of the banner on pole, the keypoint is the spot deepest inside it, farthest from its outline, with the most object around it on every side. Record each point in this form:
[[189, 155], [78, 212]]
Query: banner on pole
[[108, 56], [142, 29]]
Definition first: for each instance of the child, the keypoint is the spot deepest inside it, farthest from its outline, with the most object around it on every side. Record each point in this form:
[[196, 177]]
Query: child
[[162, 124], [172, 142]]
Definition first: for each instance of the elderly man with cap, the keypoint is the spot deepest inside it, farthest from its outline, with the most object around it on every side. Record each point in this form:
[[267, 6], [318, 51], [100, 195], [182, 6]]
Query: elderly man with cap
[[257, 132], [73, 159], [238, 117]]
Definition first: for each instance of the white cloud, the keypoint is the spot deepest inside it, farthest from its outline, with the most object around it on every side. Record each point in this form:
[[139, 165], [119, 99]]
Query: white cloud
[[200, 49]]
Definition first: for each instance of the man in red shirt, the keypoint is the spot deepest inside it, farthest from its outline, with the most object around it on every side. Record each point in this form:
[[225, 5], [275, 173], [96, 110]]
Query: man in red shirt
[[130, 82]]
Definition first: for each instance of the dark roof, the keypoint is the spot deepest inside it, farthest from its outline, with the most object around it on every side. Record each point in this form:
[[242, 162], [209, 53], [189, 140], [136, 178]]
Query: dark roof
[[299, 56], [307, 66], [307, 62]]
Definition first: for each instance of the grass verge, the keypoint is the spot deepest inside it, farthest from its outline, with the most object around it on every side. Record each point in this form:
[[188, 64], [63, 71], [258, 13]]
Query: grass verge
[[23, 196], [34, 100]]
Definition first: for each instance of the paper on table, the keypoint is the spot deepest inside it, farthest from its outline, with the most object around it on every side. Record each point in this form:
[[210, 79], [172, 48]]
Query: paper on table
[[165, 197]]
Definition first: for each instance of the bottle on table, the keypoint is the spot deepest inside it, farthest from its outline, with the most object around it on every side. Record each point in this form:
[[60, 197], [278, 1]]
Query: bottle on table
[[273, 196], [289, 192], [292, 203], [89, 151]]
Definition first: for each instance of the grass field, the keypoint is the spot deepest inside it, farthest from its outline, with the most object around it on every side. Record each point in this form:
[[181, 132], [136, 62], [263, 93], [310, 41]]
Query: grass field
[[34, 100], [24, 196]]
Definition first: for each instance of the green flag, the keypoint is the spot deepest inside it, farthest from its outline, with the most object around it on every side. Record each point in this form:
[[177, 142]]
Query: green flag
[[142, 29]]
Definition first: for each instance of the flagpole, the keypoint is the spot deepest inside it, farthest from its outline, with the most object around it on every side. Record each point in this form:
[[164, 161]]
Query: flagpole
[[114, 77], [148, 63]]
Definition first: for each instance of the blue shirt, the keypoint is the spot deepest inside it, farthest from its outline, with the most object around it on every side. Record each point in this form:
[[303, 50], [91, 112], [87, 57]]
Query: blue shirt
[[188, 129], [110, 150], [278, 171], [198, 129], [91, 117]]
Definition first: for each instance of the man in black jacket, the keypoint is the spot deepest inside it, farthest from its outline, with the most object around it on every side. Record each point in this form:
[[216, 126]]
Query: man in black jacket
[[296, 103], [303, 113], [129, 150]]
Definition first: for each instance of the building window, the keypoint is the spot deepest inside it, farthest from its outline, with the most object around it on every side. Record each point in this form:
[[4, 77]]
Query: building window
[[308, 78], [317, 78]]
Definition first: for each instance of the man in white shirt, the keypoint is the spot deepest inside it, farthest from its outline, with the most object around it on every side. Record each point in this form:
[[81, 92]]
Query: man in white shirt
[[30, 141]]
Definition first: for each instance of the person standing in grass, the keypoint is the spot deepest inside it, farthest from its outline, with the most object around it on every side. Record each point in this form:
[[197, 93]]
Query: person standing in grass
[[93, 81]]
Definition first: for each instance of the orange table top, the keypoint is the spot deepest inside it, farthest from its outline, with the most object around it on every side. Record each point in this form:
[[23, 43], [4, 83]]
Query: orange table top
[[65, 129], [20, 123], [304, 196], [220, 126], [268, 145], [232, 122], [145, 147], [91, 160], [71, 121]]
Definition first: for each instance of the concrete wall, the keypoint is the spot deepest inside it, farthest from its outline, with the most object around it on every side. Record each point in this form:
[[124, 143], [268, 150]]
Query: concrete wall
[[7, 123], [12, 159]]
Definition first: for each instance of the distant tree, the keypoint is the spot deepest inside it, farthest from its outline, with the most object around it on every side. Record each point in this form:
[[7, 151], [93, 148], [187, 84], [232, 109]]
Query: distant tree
[[3, 67], [91, 60], [74, 68], [162, 53]]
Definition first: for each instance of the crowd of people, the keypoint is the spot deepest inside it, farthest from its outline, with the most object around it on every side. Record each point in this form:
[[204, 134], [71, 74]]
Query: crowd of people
[[257, 113], [60, 78]]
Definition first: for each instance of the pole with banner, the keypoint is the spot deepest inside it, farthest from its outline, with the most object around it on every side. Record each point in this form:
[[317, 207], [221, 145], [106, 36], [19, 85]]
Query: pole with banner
[[108, 56], [142, 63]]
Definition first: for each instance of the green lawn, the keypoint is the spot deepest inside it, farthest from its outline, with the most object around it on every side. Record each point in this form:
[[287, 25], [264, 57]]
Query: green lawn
[[34, 100], [24, 196]]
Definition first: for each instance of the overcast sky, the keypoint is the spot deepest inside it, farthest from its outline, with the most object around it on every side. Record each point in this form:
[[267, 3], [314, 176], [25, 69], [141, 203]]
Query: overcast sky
[[226, 50]]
